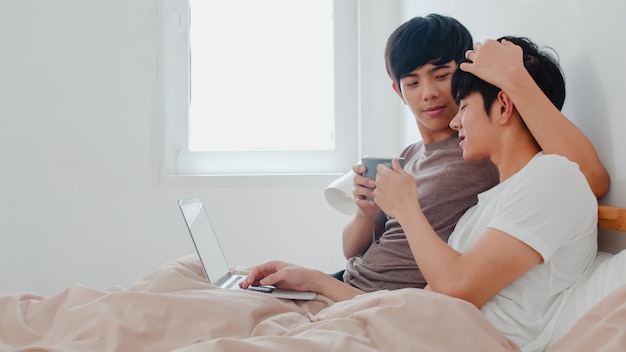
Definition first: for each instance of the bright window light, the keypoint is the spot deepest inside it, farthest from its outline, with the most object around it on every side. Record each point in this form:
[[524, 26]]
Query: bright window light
[[262, 75]]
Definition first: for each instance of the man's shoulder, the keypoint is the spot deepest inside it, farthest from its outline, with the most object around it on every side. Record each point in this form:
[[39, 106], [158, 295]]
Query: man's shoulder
[[559, 165], [550, 176], [412, 149]]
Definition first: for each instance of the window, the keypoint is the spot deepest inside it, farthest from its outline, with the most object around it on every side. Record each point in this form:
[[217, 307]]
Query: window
[[254, 91], [311, 114]]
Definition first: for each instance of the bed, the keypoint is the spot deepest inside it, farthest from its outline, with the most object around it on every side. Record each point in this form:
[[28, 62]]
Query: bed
[[174, 309]]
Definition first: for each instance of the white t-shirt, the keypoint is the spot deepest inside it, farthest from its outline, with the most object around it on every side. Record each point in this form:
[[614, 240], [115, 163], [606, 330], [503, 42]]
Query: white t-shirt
[[549, 206]]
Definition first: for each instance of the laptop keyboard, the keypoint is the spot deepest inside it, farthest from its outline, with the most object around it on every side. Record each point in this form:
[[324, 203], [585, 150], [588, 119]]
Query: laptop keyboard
[[262, 289]]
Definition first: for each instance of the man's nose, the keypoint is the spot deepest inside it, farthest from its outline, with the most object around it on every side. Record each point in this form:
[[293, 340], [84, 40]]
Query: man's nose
[[455, 124], [431, 90]]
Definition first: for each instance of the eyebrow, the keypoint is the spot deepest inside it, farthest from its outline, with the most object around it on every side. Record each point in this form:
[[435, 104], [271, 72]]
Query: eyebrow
[[439, 67], [433, 69]]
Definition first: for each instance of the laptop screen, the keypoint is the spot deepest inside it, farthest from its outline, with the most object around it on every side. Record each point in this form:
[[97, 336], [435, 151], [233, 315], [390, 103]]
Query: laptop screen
[[204, 238]]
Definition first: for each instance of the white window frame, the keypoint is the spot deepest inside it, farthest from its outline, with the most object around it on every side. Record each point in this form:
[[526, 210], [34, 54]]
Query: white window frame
[[361, 91]]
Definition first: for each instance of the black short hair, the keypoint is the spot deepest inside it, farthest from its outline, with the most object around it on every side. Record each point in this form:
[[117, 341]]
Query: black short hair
[[435, 39], [541, 64]]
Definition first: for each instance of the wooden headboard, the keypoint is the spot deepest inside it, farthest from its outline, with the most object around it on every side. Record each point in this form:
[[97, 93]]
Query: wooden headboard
[[611, 218]]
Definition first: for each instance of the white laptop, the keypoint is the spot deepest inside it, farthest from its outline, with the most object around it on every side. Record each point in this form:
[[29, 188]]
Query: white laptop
[[212, 258]]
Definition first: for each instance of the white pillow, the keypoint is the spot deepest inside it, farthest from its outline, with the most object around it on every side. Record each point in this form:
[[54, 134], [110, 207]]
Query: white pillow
[[604, 275]]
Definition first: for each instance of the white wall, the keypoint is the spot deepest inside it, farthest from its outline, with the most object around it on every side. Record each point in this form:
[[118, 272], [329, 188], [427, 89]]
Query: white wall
[[77, 204], [77, 100], [589, 39]]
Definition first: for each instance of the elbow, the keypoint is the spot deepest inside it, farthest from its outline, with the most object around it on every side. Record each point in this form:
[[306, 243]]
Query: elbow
[[458, 289], [600, 184], [352, 250], [348, 253]]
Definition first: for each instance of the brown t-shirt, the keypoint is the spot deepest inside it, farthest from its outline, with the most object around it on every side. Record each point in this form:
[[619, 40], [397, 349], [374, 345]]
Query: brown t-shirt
[[447, 186]]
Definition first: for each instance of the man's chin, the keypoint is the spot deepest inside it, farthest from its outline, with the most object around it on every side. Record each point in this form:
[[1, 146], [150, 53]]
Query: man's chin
[[469, 157]]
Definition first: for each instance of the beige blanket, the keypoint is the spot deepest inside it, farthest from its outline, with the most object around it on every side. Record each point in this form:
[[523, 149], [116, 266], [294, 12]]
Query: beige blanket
[[174, 309]]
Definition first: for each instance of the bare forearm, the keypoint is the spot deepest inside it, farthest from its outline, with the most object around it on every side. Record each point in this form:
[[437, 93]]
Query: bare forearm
[[495, 260], [334, 289], [293, 277], [447, 271], [357, 236], [434, 257]]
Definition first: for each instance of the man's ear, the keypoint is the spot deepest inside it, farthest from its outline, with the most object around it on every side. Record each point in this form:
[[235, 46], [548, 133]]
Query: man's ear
[[506, 109], [395, 87]]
